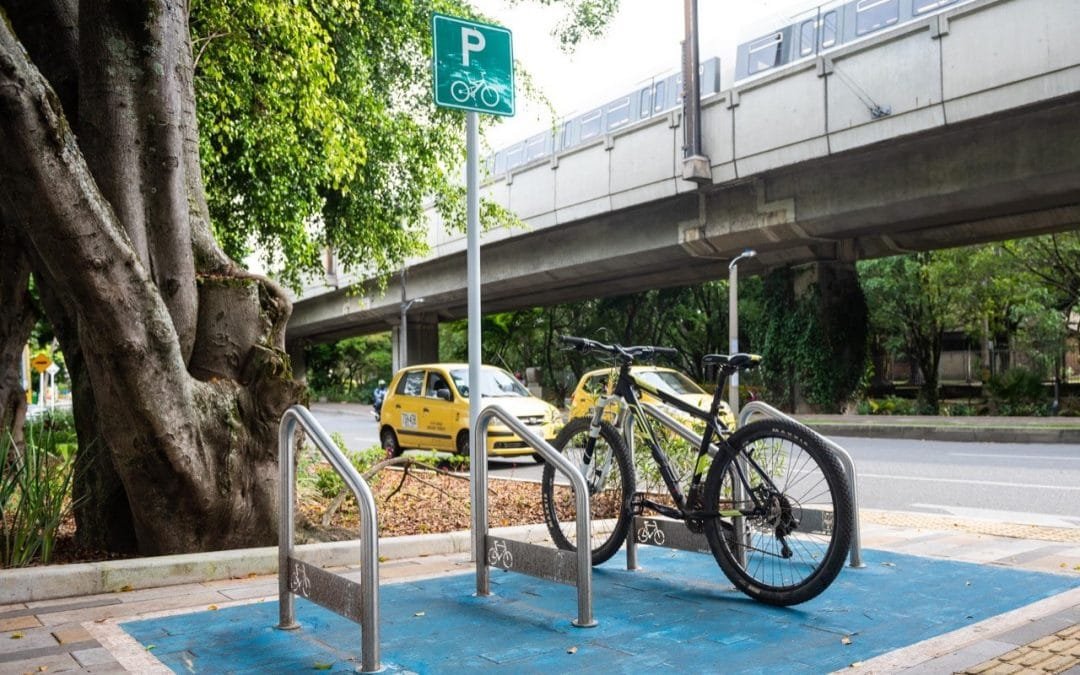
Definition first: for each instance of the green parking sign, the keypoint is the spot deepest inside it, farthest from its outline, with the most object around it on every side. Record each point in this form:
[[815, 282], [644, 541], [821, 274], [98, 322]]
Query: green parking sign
[[474, 65]]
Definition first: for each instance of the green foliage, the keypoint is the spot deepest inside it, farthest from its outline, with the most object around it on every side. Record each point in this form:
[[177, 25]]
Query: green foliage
[[326, 481], [318, 127], [890, 405], [315, 119], [1018, 391], [349, 370], [35, 486]]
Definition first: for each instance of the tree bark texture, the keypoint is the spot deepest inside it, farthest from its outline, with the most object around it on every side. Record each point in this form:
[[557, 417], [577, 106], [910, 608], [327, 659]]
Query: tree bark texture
[[178, 399]]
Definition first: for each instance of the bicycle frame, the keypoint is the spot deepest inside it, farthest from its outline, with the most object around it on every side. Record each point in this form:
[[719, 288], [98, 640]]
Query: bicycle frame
[[625, 397]]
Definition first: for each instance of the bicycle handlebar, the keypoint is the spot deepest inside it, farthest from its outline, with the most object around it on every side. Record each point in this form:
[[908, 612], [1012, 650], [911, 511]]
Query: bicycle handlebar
[[627, 354]]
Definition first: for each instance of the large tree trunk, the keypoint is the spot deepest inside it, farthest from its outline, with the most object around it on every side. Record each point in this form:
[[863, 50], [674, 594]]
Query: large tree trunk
[[177, 399], [14, 330]]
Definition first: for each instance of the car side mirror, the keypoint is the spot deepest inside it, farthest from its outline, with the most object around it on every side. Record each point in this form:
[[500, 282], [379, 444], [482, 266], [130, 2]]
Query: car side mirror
[[444, 394]]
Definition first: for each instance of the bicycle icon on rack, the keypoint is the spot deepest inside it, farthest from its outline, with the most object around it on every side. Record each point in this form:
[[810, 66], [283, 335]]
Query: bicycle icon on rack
[[499, 555], [299, 582], [475, 90], [650, 533]]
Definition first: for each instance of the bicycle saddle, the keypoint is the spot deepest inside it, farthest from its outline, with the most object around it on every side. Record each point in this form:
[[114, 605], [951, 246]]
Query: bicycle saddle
[[739, 361]]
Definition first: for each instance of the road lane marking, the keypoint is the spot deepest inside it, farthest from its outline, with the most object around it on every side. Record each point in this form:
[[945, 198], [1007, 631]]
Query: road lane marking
[[966, 481], [997, 456]]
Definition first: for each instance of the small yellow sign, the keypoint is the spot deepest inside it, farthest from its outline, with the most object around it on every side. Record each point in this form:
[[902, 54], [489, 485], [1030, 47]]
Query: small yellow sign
[[41, 362]]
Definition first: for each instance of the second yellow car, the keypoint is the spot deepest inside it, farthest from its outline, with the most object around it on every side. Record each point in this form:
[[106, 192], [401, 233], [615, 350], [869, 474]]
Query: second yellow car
[[596, 382]]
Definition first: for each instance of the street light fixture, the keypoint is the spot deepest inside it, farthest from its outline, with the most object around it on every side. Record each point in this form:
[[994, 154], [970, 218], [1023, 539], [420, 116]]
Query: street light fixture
[[403, 360], [733, 324]]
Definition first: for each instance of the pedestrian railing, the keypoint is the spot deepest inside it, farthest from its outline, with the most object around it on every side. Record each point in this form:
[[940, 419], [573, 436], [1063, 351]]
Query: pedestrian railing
[[358, 602], [568, 567], [764, 409]]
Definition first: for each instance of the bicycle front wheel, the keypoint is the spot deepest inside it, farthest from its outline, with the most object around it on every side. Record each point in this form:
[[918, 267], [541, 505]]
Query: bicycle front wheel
[[605, 464], [793, 530]]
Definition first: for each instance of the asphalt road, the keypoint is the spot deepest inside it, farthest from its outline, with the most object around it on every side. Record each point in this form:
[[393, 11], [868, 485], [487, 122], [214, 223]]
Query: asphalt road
[[1037, 484]]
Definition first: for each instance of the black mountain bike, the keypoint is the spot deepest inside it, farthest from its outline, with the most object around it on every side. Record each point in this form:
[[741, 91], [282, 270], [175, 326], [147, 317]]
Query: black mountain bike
[[772, 501]]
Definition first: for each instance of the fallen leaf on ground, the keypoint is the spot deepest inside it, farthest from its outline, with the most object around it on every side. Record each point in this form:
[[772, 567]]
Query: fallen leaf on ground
[[323, 666], [126, 588], [419, 614], [571, 650], [845, 640], [16, 636], [212, 607]]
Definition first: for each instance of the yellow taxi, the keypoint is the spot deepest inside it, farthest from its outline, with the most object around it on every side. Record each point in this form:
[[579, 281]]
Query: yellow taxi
[[596, 382], [427, 407]]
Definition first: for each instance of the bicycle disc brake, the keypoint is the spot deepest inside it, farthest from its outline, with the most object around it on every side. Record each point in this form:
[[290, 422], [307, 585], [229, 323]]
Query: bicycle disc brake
[[781, 517]]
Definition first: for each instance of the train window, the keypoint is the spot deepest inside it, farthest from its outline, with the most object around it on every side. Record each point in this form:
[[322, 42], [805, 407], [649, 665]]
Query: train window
[[659, 96], [536, 147], [590, 124], [618, 113], [828, 30], [766, 53], [807, 38], [515, 156], [870, 15], [646, 103], [924, 6]]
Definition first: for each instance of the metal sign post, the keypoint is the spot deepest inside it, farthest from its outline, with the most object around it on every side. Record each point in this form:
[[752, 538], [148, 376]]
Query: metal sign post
[[473, 71]]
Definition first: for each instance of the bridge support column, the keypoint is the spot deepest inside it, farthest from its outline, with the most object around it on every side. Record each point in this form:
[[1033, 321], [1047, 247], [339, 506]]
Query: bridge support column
[[421, 342], [816, 349], [297, 360]]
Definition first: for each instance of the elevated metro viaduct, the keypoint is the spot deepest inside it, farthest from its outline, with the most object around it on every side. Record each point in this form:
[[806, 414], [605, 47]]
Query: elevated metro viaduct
[[982, 144]]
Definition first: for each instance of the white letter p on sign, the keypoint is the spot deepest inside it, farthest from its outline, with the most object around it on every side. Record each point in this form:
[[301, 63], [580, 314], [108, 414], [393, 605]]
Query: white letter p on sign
[[472, 40]]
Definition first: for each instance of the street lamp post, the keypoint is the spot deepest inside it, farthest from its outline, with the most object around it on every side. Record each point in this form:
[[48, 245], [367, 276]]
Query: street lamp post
[[733, 324], [403, 360]]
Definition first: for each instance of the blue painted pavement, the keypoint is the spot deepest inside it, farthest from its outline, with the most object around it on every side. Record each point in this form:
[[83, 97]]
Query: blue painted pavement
[[678, 612]]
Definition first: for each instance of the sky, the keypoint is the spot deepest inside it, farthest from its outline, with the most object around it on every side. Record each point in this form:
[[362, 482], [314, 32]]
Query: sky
[[643, 40]]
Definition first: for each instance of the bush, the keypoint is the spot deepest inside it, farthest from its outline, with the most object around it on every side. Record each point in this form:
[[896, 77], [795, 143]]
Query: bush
[[1018, 391], [35, 486], [890, 405]]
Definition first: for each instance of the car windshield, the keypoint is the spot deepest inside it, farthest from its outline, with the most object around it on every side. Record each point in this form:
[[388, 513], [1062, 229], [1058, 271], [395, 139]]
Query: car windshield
[[669, 381], [493, 383]]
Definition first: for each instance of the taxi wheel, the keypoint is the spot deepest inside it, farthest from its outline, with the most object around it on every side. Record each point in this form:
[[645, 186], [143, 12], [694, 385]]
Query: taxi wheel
[[390, 443], [462, 443]]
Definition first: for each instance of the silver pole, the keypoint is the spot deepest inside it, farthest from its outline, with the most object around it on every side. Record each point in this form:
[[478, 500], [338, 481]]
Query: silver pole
[[403, 345], [286, 606], [472, 224], [733, 333]]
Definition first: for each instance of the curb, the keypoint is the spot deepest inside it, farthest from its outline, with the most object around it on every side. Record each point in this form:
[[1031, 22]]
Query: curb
[[31, 584]]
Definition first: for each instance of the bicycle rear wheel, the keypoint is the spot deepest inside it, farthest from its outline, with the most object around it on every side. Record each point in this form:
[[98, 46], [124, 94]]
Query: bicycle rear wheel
[[796, 525], [609, 474]]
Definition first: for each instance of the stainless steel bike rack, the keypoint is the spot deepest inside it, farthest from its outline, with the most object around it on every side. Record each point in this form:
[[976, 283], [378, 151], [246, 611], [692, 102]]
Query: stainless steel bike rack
[[358, 602], [568, 567], [761, 408], [661, 531]]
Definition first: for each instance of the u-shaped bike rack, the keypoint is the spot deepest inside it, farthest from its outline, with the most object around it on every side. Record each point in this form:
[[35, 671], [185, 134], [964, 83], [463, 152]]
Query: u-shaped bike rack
[[675, 534], [358, 602], [764, 409], [568, 567]]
